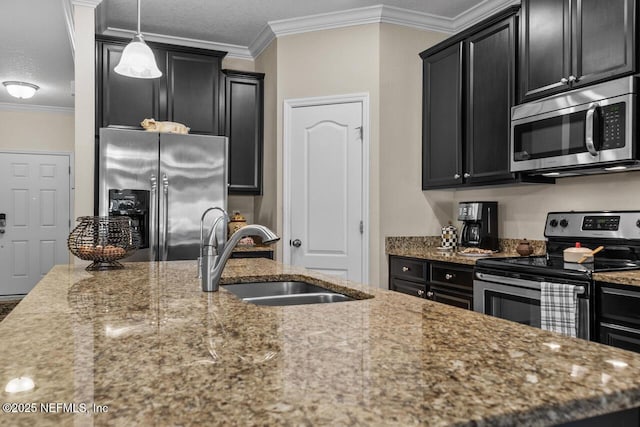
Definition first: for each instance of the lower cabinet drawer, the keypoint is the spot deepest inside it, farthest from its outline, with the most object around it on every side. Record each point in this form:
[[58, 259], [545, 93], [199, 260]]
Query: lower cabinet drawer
[[452, 275], [620, 336], [409, 288], [450, 297], [619, 305], [409, 268]]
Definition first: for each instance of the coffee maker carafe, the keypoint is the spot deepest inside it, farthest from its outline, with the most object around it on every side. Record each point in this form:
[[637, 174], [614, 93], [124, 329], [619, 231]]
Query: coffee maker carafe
[[480, 227]]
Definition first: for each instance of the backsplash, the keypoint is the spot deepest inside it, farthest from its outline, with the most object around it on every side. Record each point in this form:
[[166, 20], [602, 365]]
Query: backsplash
[[394, 244]]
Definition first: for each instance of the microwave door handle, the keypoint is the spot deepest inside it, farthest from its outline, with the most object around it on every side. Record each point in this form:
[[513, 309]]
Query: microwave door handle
[[589, 132]]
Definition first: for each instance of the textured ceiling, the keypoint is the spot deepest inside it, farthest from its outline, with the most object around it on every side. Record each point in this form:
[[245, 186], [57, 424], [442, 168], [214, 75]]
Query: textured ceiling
[[35, 46], [240, 21]]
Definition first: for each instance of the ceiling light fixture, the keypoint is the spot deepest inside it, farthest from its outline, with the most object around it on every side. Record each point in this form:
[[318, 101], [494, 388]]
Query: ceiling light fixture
[[137, 58], [21, 90]]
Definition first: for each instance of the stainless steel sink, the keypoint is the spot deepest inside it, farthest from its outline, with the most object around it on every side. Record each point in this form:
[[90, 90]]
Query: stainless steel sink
[[285, 293]]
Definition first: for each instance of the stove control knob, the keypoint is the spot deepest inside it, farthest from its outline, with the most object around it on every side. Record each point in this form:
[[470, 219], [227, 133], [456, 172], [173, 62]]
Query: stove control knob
[[554, 222], [563, 223]]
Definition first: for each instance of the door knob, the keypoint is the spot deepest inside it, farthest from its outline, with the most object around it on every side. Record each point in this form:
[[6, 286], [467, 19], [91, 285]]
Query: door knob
[[456, 176], [297, 243], [564, 81], [572, 79]]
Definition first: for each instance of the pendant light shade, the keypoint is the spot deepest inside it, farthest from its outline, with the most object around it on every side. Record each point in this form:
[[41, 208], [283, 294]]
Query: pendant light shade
[[137, 58], [21, 90]]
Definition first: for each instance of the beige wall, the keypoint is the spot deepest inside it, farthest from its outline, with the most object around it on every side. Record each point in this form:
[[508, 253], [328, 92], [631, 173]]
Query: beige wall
[[265, 205], [522, 209], [36, 131], [332, 62], [238, 64], [404, 208]]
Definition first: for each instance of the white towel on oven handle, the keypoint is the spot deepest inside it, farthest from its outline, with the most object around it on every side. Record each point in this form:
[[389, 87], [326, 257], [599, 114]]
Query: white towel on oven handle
[[559, 308]]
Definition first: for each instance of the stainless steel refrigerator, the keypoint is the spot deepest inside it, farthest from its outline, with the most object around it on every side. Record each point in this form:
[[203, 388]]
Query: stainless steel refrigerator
[[163, 182]]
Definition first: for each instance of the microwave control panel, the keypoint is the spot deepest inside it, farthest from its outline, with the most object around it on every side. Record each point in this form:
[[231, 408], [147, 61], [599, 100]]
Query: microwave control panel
[[613, 126]]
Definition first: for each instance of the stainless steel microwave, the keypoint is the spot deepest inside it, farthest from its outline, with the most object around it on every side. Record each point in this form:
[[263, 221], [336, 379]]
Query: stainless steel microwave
[[587, 130]]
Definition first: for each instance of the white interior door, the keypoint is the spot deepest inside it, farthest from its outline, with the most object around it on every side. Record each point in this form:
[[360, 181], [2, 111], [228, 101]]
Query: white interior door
[[34, 197], [326, 189]]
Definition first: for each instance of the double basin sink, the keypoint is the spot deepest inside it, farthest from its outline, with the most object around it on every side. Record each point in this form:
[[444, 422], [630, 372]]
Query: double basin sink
[[285, 293]]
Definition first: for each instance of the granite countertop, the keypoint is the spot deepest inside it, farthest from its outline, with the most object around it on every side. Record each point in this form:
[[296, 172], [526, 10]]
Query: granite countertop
[[425, 247], [151, 348], [630, 277]]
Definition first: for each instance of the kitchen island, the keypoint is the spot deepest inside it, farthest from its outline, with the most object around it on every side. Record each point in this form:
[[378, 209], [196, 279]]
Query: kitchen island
[[147, 347]]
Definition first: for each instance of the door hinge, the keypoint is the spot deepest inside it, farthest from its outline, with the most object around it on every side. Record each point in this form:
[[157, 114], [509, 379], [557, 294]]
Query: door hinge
[[69, 170], [361, 227], [359, 129]]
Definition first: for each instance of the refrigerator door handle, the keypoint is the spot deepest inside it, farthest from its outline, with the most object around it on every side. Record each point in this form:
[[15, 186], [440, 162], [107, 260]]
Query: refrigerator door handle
[[165, 225], [153, 218]]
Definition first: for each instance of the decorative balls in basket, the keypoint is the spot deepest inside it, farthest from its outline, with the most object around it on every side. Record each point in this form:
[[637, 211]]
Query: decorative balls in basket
[[103, 240]]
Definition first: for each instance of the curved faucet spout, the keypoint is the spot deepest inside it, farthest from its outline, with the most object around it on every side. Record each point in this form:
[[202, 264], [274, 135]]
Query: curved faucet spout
[[219, 261]]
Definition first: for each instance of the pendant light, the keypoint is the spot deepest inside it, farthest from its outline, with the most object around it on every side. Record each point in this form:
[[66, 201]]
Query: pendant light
[[137, 59]]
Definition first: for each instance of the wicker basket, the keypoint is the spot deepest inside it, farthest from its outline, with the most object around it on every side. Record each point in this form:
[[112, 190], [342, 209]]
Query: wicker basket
[[103, 240]]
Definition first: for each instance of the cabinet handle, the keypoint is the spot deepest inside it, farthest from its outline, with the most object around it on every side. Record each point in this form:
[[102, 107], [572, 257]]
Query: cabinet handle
[[564, 81], [572, 79], [467, 175], [420, 292], [456, 176], [405, 269], [449, 276], [429, 294]]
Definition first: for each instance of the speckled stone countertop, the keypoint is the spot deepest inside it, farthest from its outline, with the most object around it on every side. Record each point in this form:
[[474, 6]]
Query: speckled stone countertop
[[153, 349], [426, 248], [631, 277]]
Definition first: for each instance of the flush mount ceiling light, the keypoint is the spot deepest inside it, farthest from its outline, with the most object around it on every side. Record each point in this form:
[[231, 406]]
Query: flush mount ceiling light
[[137, 59], [21, 90]]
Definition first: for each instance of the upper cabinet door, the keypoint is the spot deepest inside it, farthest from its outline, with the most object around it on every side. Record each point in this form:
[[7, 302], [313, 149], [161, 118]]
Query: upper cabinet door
[[124, 101], [442, 118], [603, 39], [192, 91], [490, 75], [545, 47], [244, 123]]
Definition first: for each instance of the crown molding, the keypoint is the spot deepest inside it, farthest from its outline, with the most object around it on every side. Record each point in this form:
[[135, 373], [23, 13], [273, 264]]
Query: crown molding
[[234, 51], [419, 20], [9, 106], [479, 12], [262, 41], [67, 9], [86, 3]]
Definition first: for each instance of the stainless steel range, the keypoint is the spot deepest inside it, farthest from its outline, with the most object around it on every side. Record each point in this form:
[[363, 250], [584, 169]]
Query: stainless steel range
[[510, 288]]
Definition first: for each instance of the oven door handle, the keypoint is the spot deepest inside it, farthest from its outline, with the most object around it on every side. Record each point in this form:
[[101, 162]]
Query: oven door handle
[[518, 282], [591, 129]]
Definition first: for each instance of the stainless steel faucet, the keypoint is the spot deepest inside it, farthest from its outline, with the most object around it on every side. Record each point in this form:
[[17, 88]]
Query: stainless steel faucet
[[215, 254]]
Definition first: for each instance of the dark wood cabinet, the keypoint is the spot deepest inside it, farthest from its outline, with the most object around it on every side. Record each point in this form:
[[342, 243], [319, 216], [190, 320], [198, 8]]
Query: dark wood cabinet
[[566, 44], [122, 101], [468, 91], [188, 91], [490, 94], [193, 93], [447, 283], [451, 284], [442, 118], [617, 315], [244, 123], [408, 275], [252, 254]]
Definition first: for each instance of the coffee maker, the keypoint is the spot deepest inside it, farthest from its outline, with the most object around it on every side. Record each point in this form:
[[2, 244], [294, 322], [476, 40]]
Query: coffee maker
[[480, 227]]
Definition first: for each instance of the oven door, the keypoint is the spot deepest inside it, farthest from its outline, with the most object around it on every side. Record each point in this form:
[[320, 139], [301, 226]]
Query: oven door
[[597, 132], [518, 300]]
